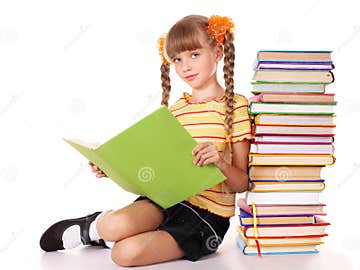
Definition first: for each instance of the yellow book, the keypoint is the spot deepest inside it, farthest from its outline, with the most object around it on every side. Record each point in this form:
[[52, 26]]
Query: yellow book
[[291, 159], [285, 173], [283, 186], [285, 241]]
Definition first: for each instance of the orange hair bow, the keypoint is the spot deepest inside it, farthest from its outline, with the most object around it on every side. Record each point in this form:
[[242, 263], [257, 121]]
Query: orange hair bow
[[218, 26], [161, 46]]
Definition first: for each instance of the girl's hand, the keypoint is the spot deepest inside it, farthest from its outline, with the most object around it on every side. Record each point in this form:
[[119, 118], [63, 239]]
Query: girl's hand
[[95, 169], [206, 153]]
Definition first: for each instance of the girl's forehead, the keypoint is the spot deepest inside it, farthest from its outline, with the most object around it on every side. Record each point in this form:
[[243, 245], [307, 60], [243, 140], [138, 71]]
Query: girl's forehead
[[184, 41], [192, 50]]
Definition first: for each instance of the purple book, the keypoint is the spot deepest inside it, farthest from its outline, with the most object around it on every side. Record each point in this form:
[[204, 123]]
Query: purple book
[[246, 219], [294, 65]]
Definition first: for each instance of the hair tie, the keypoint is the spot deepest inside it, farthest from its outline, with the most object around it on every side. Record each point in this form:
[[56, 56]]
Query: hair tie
[[218, 26], [187, 97], [228, 138], [161, 46]]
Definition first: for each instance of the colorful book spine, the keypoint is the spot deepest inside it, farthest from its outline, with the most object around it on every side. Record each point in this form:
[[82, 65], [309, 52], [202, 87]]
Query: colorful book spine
[[300, 116]]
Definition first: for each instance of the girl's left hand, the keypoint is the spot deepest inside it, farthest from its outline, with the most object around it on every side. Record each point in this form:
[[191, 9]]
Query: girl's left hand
[[206, 153]]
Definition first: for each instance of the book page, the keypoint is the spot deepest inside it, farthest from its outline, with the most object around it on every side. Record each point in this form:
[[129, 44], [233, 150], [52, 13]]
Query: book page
[[92, 145]]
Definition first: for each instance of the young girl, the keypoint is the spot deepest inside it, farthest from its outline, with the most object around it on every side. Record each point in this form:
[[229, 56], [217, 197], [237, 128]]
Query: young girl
[[142, 232]]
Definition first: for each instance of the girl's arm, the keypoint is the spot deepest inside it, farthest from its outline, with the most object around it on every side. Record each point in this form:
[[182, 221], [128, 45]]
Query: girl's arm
[[237, 177], [236, 173]]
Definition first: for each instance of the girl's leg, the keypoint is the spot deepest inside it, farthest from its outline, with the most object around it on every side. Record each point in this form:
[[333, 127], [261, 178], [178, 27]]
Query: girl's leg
[[111, 226], [146, 248], [137, 217]]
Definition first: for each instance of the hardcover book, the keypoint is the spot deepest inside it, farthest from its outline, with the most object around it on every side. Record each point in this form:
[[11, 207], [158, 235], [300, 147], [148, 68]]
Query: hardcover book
[[153, 157]]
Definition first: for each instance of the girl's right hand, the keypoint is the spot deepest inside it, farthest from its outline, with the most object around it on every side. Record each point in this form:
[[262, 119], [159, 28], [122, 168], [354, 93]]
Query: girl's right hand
[[97, 170]]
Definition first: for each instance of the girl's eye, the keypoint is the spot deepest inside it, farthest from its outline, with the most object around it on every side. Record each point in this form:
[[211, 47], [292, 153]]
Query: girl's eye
[[176, 60], [194, 55]]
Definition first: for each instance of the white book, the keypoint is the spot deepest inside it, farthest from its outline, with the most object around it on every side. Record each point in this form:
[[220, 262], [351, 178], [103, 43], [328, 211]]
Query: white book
[[291, 159], [296, 66], [294, 108], [295, 130], [294, 139], [282, 198], [287, 87], [267, 119], [292, 148]]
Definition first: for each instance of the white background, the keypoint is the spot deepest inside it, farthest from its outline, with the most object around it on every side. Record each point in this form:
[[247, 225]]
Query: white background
[[89, 69]]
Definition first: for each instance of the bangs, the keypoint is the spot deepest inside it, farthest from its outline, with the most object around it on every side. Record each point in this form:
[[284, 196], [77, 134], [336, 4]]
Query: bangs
[[186, 36]]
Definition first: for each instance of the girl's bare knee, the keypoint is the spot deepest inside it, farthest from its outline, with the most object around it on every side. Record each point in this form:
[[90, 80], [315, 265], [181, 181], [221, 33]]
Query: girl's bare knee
[[125, 254], [113, 227], [128, 221]]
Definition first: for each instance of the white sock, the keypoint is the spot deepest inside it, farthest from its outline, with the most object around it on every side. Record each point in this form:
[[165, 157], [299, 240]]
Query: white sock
[[71, 237], [94, 235], [93, 231], [109, 244]]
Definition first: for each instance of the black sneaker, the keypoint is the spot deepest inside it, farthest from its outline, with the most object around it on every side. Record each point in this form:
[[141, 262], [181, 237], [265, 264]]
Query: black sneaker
[[51, 240]]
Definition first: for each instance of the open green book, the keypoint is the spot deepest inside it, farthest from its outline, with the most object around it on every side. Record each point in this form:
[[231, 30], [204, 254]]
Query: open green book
[[153, 158]]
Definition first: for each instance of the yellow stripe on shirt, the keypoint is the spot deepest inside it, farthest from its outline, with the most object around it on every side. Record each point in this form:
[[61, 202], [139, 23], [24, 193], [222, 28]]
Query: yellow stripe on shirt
[[205, 123]]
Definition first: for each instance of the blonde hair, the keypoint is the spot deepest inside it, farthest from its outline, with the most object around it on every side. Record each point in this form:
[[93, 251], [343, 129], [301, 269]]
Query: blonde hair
[[189, 33]]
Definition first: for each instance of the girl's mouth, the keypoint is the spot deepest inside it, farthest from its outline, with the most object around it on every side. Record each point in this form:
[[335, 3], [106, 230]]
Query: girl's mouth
[[191, 77]]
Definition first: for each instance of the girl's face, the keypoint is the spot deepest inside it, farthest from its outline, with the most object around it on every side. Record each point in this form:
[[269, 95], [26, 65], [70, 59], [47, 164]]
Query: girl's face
[[197, 67]]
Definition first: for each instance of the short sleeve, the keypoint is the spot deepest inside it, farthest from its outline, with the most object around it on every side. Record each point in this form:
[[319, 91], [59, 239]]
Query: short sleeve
[[241, 120], [177, 105]]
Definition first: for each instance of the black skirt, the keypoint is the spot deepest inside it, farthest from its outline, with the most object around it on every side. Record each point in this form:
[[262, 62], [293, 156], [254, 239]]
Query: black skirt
[[198, 232]]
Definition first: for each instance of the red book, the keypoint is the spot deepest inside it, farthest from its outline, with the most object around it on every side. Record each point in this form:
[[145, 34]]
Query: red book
[[292, 97], [275, 209], [293, 130], [284, 231]]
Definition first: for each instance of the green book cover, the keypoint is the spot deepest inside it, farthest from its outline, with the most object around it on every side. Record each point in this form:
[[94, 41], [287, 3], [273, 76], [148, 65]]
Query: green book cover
[[153, 158], [308, 108]]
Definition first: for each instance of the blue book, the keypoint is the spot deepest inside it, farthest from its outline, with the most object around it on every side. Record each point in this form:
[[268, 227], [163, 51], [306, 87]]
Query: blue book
[[293, 65], [288, 181], [246, 219], [274, 250], [294, 56], [287, 185]]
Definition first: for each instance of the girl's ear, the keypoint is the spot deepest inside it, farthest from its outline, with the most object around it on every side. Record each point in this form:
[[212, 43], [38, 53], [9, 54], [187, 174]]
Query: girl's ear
[[219, 52]]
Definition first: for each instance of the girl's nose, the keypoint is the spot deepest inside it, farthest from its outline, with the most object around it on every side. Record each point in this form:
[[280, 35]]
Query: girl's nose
[[186, 66]]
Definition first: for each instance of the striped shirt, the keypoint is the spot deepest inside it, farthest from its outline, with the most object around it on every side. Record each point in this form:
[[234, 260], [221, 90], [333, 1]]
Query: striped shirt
[[205, 123]]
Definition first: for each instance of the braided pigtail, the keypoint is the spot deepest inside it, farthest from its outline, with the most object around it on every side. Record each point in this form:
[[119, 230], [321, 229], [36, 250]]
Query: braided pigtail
[[229, 62], [221, 29], [165, 71], [165, 83]]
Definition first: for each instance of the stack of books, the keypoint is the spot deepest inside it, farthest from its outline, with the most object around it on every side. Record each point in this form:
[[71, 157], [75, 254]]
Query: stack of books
[[293, 133]]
